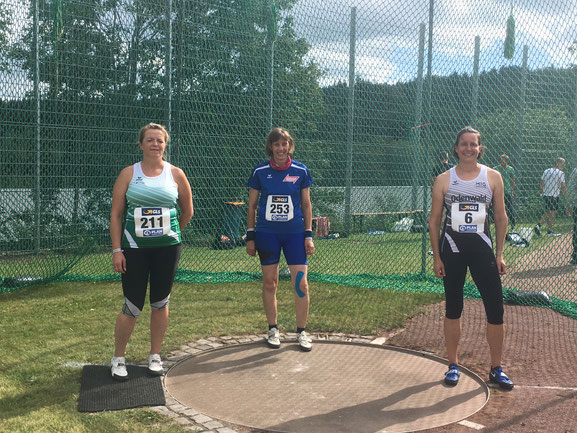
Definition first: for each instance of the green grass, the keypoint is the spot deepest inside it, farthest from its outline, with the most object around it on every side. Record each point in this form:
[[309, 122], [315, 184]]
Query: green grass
[[43, 327], [360, 253]]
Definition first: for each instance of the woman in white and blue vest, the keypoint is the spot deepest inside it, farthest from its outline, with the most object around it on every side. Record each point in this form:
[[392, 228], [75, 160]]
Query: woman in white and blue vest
[[151, 204], [466, 192]]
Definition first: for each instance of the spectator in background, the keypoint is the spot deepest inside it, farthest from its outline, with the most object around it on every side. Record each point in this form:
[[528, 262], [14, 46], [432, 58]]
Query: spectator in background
[[508, 175], [552, 184]]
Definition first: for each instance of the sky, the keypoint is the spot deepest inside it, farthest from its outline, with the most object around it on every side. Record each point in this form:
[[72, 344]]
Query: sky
[[387, 35]]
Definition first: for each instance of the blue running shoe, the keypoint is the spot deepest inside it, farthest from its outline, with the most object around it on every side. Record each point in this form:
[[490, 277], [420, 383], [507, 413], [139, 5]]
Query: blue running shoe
[[452, 376], [497, 376]]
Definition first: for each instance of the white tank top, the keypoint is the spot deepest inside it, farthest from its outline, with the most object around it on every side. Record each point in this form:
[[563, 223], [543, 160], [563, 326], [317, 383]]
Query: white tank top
[[151, 214], [467, 205]]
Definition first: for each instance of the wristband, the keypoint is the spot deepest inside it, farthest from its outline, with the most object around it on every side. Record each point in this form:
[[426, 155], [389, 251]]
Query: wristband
[[308, 234], [250, 235], [117, 250]]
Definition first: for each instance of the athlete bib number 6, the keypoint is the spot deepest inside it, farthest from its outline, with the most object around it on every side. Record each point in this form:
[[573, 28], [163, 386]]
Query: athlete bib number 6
[[151, 221], [279, 208], [468, 217]]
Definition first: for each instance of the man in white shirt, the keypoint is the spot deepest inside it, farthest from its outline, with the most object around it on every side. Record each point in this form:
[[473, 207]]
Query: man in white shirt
[[552, 184]]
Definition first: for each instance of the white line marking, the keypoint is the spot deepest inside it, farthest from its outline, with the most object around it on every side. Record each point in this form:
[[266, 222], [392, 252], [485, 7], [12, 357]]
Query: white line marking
[[472, 425], [73, 364], [556, 388]]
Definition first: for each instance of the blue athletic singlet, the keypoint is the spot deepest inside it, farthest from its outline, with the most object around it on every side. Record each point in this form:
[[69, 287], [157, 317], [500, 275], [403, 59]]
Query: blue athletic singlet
[[151, 214], [279, 208], [467, 205]]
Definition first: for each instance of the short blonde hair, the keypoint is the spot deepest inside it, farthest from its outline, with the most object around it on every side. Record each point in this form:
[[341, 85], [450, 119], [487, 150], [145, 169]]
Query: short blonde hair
[[274, 135], [150, 126]]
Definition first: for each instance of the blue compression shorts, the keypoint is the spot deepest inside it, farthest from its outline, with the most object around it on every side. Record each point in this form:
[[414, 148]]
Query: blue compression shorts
[[269, 245]]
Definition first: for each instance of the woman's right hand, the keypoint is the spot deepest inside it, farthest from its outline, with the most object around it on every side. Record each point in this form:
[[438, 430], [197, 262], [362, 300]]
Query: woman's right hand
[[119, 262], [250, 248]]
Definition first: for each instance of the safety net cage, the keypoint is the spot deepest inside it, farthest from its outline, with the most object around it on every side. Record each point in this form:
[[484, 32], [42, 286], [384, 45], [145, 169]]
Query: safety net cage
[[374, 94]]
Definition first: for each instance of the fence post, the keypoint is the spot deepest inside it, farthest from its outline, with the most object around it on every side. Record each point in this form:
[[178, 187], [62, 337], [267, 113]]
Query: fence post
[[429, 63], [475, 104], [168, 71], [271, 39], [417, 135], [350, 123], [36, 48], [574, 155], [521, 123], [179, 47]]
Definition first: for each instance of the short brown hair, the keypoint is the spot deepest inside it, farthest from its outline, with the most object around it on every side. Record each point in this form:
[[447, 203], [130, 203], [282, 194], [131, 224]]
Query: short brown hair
[[274, 135], [466, 130], [151, 125]]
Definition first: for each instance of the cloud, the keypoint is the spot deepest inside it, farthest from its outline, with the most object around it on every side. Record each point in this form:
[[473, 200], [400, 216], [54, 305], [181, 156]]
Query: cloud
[[387, 35]]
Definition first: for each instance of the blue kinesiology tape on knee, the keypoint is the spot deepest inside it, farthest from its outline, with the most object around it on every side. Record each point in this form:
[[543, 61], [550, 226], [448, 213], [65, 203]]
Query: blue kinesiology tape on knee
[[300, 275]]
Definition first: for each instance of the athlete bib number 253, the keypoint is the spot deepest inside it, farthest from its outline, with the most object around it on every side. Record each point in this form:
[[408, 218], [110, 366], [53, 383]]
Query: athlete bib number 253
[[468, 217], [151, 221], [279, 208]]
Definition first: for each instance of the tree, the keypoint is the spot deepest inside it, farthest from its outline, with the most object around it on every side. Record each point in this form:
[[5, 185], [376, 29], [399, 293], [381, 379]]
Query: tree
[[5, 19]]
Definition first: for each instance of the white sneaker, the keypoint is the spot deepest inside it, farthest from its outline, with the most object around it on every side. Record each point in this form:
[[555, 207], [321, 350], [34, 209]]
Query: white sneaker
[[273, 338], [305, 342], [118, 368], [155, 365]]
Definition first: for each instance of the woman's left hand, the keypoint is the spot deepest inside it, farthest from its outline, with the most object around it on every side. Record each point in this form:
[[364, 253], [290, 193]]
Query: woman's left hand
[[309, 247]]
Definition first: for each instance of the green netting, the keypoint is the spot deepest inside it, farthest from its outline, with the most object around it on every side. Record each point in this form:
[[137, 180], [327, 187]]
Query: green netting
[[372, 92]]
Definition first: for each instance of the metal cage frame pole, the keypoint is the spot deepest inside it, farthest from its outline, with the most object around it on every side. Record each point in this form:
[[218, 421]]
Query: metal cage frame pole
[[271, 85], [522, 113], [350, 120], [36, 47], [168, 72], [475, 90], [270, 41], [417, 135]]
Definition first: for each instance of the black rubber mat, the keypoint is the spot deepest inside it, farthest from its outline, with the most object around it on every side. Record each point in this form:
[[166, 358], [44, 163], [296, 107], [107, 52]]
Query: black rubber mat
[[99, 392]]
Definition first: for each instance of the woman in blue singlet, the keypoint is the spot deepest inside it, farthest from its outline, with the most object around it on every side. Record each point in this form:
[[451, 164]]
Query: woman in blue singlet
[[466, 192], [280, 217], [151, 204]]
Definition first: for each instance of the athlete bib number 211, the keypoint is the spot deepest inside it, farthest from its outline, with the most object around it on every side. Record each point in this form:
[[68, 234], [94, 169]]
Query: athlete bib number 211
[[151, 221], [468, 217]]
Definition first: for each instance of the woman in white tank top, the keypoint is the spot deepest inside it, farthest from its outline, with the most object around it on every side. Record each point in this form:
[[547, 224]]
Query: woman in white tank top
[[466, 192], [145, 228]]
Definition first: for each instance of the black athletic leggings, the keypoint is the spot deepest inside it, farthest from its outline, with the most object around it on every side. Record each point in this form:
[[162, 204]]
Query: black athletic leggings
[[160, 265], [485, 274]]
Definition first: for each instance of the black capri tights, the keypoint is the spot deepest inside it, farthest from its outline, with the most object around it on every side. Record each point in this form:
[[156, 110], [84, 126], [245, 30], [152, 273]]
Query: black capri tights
[[485, 274], [160, 265]]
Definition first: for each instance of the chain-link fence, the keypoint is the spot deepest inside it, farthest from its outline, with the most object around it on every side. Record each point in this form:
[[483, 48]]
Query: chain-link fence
[[373, 93]]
